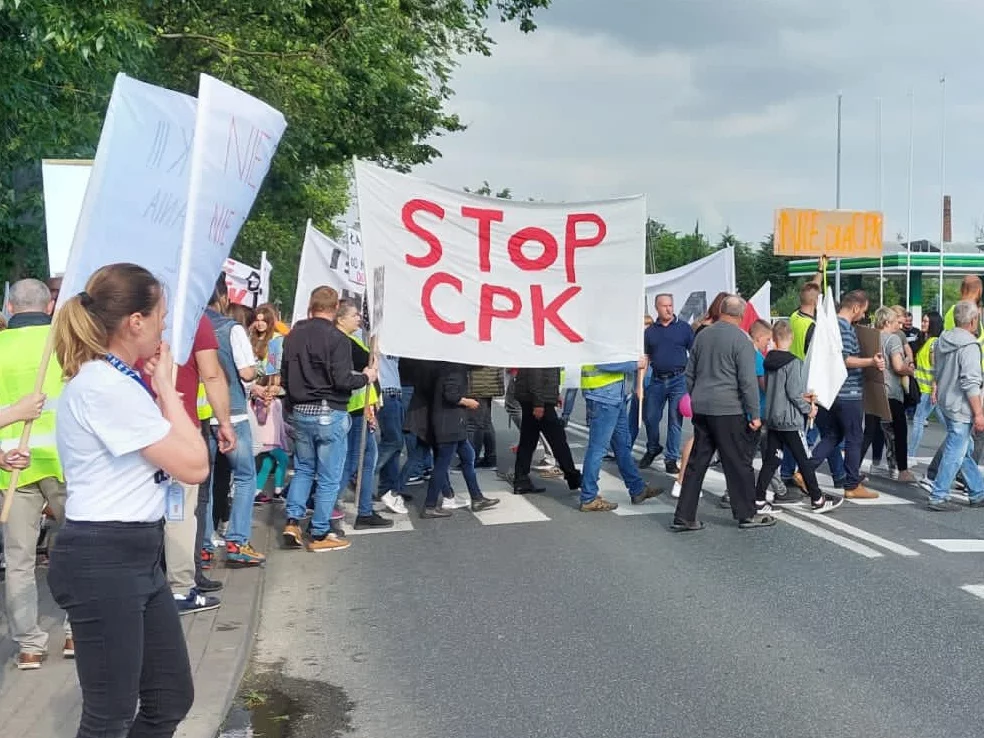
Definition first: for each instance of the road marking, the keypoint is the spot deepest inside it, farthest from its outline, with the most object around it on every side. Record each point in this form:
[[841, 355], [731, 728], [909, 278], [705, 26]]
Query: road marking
[[401, 524], [613, 489], [511, 509], [850, 545], [863, 535], [956, 545], [883, 499], [975, 589]]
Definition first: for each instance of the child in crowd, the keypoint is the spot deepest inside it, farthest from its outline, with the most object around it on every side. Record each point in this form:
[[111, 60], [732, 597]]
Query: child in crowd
[[786, 407], [266, 409]]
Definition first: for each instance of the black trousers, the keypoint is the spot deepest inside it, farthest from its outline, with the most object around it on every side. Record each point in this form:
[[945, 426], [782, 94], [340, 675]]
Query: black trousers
[[529, 436], [481, 432], [899, 429], [201, 508], [734, 441], [130, 650], [795, 444]]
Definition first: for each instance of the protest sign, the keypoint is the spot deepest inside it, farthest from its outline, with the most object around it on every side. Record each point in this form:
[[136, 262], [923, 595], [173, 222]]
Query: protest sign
[[64, 182], [356, 257], [495, 282], [247, 286], [693, 286], [875, 394], [134, 207], [324, 262], [832, 233], [236, 136], [825, 370]]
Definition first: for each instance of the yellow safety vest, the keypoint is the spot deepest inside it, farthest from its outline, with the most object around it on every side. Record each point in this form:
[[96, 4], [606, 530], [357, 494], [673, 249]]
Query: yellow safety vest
[[924, 367], [949, 324], [358, 400], [20, 359], [801, 326], [204, 409], [593, 378]]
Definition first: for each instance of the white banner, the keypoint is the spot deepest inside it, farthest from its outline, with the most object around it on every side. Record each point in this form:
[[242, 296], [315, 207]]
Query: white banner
[[825, 370], [236, 136], [134, 207], [693, 286], [494, 282], [356, 257], [64, 183], [323, 263], [247, 286]]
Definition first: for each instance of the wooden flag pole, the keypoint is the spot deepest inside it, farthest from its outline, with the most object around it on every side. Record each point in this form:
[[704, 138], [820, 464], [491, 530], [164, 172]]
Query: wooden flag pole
[[640, 391], [25, 439]]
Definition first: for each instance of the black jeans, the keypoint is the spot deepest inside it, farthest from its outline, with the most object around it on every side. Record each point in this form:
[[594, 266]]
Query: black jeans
[[130, 650], [529, 436], [201, 508], [734, 441], [900, 430], [795, 444], [481, 432]]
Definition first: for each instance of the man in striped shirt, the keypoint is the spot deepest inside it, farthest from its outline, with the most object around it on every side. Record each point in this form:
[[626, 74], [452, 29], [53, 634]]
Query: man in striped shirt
[[845, 421]]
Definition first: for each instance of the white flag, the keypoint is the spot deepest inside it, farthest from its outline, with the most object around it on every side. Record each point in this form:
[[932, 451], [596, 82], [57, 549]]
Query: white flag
[[236, 136], [324, 263], [826, 371]]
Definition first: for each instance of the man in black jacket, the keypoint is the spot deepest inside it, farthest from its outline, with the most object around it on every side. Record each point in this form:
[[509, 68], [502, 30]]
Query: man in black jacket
[[318, 378], [538, 392]]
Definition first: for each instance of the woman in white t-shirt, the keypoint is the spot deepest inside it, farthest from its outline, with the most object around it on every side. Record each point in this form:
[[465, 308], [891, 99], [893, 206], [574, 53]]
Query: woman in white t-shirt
[[122, 450]]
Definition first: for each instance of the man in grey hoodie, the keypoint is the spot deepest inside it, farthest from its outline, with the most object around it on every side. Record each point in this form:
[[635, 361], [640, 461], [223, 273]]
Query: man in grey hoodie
[[724, 394], [957, 363]]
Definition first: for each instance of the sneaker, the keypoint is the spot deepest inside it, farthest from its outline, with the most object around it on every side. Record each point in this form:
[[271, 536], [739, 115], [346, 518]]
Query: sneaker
[[647, 493], [454, 503], [672, 467], [363, 522], [976, 501], [242, 554], [677, 488], [292, 536], [927, 484], [725, 502], [203, 584], [777, 488], [906, 477], [68, 650], [415, 481], [943, 506], [763, 507], [647, 460], [196, 602], [207, 558], [598, 504], [394, 503], [789, 496], [860, 493], [434, 512], [526, 486], [262, 499], [335, 528], [880, 468], [29, 661], [483, 503], [758, 521], [327, 542], [551, 473], [826, 504]]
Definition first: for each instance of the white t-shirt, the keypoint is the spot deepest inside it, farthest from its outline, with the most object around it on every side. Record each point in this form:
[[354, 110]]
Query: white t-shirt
[[105, 419], [243, 358]]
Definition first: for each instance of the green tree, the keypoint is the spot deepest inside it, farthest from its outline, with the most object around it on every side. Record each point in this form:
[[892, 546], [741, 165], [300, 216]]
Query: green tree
[[368, 79]]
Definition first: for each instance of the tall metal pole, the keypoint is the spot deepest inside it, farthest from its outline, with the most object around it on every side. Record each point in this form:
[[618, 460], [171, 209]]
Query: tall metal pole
[[942, 178], [879, 177], [837, 189], [908, 228]]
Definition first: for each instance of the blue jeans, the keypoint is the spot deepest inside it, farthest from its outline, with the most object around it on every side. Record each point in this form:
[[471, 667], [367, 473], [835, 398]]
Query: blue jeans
[[440, 479], [320, 448], [633, 418], [924, 409], [958, 454], [664, 392], [844, 422], [570, 398], [390, 419], [368, 464], [609, 428], [243, 465]]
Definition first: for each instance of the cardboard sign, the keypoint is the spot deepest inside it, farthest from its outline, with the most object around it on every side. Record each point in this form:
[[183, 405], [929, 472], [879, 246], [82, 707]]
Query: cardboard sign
[[492, 282], [833, 233], [64, 184], [875, 395]]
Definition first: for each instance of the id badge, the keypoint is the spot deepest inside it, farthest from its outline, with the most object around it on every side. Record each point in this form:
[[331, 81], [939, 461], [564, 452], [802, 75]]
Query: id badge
[[175, 502]]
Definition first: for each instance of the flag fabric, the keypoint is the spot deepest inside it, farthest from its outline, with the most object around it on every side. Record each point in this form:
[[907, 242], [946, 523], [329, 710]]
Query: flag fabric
[[825, 370], [759, 307]]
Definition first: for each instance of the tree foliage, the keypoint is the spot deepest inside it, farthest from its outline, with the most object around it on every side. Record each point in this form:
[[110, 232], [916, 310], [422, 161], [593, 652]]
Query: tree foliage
[[368, 79]]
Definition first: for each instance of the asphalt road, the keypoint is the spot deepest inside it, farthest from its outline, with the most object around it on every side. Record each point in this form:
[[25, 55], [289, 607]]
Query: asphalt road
[[539, 620]]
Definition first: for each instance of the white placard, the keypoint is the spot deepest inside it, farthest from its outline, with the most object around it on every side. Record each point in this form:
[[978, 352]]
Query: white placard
[[493, 282], [693, 286], [247, 286], [235, 139], [825, 369], [324, 262], [356, 257], [64, 185]]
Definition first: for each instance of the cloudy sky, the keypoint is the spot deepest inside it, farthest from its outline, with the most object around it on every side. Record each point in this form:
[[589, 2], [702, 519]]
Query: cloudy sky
[[721, 111]]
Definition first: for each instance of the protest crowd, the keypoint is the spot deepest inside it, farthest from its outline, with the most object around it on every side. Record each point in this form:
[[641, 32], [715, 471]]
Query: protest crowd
[[145, 460]]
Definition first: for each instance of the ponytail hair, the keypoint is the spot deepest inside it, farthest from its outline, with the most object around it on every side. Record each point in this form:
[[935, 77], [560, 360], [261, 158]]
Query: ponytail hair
[[86, 322]]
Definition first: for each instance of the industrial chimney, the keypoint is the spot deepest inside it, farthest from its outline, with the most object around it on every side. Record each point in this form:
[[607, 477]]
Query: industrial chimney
[[947, 220]]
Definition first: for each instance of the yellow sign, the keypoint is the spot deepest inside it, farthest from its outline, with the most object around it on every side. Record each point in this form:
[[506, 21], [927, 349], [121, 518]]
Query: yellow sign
[[833, 233]]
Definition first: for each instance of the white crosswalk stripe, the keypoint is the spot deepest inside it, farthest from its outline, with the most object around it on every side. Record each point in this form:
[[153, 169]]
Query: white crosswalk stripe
[[956, 545]]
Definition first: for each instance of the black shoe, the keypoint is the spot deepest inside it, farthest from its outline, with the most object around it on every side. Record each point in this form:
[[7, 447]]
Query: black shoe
[[610, 457], [647, 460], [483, 503], [486, 463], [525, 486], [335, 526], [792, 496], [372, 521], [725, 502], [435, 512], [574, 480], [206, 585], [672, 467]]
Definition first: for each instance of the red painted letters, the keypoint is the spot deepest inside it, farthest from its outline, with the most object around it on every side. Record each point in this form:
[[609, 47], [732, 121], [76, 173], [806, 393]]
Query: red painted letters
[[543, 314], [436, 250], [487, 309], [485, 218], [548, 257], [572, 242], [426, 302]]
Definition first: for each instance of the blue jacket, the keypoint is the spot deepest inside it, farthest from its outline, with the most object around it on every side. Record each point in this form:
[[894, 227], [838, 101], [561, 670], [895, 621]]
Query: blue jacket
[[617, 392]]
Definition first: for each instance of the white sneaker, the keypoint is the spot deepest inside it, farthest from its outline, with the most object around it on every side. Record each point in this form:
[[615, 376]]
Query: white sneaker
[[881, 469], [454, 503], [394, 503], [829, 503], [675, 493]]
